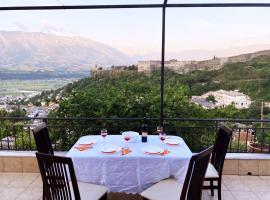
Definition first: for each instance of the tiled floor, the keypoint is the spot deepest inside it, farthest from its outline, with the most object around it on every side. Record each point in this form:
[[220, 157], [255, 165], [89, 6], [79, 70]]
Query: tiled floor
[[28, 186]]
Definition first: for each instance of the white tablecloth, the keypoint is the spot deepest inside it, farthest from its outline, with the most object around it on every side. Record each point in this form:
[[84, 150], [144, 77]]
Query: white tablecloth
[[131, 173]]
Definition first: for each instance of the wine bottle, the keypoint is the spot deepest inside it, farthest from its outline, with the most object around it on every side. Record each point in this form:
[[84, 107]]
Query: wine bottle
[[144, 130]]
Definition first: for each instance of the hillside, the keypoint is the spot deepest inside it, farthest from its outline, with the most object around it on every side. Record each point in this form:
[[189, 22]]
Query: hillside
[[35, 51], [251, 77], [131, 94]]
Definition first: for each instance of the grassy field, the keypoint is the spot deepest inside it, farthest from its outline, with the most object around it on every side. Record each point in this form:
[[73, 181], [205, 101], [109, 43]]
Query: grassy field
[[17, 87]]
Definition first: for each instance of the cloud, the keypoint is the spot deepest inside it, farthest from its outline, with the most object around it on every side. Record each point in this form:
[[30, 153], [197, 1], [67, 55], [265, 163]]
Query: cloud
[[46, 27], [20, 26]]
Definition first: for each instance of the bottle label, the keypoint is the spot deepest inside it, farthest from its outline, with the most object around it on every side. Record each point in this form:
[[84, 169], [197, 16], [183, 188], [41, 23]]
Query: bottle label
[[144, 134]]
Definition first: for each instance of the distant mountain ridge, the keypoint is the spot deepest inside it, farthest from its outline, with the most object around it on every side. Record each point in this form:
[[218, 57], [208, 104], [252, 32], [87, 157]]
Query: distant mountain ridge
[[37, 51]]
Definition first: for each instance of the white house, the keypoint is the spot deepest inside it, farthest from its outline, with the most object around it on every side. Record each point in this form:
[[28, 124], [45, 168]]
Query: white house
[[224, 98]]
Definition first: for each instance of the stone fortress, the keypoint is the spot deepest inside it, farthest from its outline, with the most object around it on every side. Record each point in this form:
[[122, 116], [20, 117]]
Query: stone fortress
[[181, 67], [184, 67]]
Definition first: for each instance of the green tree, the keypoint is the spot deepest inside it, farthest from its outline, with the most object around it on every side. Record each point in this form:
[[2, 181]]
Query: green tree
[[211, 98]]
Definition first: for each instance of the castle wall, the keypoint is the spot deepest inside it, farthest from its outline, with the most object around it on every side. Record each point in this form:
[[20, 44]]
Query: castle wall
[[148, 66], [189, 66]]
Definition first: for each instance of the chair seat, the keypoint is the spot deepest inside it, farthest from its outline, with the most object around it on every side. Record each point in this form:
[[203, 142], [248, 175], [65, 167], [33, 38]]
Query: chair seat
[[166, 189], [91, 191], [211, 172]]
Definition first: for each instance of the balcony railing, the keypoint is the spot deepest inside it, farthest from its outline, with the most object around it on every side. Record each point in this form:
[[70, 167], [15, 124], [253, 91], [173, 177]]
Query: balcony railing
[[251, 136]]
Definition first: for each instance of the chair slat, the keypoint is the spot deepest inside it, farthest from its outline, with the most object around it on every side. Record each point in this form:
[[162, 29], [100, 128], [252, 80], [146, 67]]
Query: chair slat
[[192, 188], [54, 172]]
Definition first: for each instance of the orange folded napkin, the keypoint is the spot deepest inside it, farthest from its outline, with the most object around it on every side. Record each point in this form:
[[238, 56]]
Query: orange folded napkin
[[125, 151], [165, 152], [82, 147]]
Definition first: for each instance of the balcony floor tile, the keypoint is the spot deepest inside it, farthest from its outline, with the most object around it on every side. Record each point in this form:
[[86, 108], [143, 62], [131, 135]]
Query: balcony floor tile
[[28, 186]]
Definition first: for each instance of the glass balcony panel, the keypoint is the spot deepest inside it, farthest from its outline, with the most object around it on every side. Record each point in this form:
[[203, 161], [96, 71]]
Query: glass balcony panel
[[9, 3], [110, 2], [75, 2], [216, 1]]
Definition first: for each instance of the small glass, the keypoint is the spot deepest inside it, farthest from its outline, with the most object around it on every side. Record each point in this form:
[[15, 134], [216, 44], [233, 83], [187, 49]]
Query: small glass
[[104, 133]]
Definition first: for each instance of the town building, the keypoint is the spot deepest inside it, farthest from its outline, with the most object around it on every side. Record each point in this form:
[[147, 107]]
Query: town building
[[222, 98]]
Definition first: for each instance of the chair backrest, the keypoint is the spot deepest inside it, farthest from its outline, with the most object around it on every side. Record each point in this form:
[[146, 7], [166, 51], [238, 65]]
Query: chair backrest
[[223, 139], [55, 173], [42, 139], [192, 188]]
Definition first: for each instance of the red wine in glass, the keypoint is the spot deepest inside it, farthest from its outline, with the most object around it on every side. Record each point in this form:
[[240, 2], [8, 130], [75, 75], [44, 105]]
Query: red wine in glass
[[127, 138], [162, 137], [103, 133]]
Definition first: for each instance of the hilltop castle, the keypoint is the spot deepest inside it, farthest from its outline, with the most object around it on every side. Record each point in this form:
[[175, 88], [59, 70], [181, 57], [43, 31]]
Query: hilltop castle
[[184, 67], [181, 67]]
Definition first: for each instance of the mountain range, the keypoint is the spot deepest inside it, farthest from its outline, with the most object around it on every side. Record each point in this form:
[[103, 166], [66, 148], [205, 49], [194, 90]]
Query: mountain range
[[30, 51], [36, 51]]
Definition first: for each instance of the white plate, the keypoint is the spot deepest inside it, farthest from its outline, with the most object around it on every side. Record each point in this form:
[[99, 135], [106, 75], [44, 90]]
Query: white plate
[[90, 141], [110, 149], [152, 149], [173, 141]]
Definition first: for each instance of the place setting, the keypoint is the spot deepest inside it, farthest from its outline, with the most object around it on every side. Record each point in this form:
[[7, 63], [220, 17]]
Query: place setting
[[173, 141], [85, 145], [153, 150], [156, 150], [128, 136], [165, 140], [107, 148]]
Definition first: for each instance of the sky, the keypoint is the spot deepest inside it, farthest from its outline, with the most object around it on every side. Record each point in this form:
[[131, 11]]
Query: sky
[[191, 33]]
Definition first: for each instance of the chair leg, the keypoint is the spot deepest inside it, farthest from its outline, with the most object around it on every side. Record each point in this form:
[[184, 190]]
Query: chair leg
[[43, 194], [219, 190], [212, 187], [104, 197]]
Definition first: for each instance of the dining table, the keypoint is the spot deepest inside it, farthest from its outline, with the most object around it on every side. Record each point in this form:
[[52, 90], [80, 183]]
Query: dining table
[[132, 171]]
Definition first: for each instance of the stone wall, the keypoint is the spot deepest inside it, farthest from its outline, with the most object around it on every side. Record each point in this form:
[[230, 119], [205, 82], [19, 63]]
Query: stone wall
[[184, 67], [105, 73], [189, 66], [148, 66]]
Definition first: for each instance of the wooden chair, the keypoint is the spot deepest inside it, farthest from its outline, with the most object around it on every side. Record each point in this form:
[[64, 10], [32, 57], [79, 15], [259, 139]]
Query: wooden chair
[[191, 190], [42, 139], [215, 167], [43, 142], [60, 183]]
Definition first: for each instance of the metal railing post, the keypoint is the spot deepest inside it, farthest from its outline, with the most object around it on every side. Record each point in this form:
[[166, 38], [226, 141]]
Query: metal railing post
[[162, 62]]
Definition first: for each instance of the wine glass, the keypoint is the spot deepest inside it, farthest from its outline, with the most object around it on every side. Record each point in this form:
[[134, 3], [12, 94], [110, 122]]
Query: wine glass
[[162, 137], [127, 138], [104, 133]]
